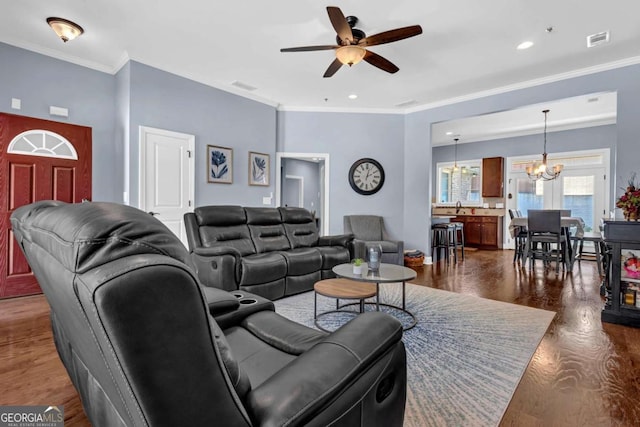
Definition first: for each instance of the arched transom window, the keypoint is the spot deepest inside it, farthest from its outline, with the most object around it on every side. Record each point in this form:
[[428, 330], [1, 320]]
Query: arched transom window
[[37, 142]]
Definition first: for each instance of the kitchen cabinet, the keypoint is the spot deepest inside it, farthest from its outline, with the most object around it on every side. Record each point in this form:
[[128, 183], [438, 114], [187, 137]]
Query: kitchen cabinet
[[493, 177], [483, 232], [622, 304]]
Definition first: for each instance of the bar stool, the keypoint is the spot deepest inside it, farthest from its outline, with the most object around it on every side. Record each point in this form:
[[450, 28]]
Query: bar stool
[[444, 237], [596, 238], [459, 235]]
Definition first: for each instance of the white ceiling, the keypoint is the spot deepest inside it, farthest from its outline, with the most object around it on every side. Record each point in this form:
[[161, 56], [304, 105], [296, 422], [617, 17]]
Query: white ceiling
[[468, 47]]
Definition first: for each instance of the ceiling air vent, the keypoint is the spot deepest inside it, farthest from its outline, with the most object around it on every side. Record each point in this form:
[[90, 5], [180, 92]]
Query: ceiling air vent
[[244, 86], [598, 38], [407, 103]]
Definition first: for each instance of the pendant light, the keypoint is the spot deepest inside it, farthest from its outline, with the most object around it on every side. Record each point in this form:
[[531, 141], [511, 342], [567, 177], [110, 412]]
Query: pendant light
[[541, 170], [455, 154]]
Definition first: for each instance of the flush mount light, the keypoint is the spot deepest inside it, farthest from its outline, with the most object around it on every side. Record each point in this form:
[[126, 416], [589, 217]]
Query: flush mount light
[[353, 96], [449, 133], [525, 45], [64, 28]]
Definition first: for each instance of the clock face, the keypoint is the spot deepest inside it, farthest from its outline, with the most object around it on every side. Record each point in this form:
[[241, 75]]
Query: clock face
[[366, 176]]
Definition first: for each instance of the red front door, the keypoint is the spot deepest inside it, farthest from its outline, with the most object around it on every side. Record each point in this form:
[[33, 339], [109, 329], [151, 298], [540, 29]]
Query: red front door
[[46, 173]]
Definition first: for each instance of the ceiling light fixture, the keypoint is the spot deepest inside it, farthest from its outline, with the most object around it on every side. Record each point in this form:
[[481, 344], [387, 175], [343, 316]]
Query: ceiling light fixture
[[64, 28], [353, 96], [525, 45], [540, 170], [350, 55]]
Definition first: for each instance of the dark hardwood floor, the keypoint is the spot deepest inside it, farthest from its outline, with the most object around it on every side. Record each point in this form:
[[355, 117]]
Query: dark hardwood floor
[[584, 373]]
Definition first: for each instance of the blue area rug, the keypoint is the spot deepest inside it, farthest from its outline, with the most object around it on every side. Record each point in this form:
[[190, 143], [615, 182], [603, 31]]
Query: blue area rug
[[465, 357]]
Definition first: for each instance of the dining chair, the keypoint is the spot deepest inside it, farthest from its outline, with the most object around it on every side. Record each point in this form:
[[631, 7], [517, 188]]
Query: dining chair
[[544, 230], [565, 212]]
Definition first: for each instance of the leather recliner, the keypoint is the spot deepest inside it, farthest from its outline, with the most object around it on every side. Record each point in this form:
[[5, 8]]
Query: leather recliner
[[138, 339]]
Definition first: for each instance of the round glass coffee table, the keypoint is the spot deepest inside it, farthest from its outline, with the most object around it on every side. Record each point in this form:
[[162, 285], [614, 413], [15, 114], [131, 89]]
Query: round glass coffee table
[[388, 273]]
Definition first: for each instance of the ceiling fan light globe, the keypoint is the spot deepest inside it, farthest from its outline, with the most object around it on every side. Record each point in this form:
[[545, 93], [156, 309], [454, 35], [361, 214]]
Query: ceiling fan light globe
[[349, 55]]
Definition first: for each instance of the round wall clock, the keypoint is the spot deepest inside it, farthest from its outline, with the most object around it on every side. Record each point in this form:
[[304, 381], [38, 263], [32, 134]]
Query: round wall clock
[[366, 176]]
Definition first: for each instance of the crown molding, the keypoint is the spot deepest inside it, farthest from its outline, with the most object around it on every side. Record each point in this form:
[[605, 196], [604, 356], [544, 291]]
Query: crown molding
[[104, 68], [529, 83]]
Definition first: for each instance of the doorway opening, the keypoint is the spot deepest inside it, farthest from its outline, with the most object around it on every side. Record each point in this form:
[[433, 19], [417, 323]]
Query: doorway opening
[[583, 187], [312, 171]]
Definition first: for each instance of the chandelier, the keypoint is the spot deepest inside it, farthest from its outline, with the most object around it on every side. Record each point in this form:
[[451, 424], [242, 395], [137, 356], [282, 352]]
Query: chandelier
[[541, 170]]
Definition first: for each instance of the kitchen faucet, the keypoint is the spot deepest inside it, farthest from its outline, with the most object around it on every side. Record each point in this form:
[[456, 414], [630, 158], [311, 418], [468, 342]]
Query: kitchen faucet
[[458, 206]]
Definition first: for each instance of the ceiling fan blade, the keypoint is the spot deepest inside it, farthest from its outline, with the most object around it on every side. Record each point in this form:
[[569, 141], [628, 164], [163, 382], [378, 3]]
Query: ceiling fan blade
[[340, 24], [380, 62], [335, 66], [309, 48], [391, 36]]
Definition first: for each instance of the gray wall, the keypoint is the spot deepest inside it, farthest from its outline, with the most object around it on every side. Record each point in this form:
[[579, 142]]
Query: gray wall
[[592, 138], [115, 106], [163, 100], [40, 81], [311, 173], [623, 80], [348, 137]]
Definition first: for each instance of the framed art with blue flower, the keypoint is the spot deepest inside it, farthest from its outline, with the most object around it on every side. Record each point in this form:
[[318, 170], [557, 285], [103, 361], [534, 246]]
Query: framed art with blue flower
[[219, 164], [258, 168]]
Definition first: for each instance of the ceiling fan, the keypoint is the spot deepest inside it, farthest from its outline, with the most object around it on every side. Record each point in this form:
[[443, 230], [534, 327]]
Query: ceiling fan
[[352, 43]]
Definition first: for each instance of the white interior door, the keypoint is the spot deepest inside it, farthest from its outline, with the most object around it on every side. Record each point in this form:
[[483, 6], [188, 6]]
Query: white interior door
[[167, 176]]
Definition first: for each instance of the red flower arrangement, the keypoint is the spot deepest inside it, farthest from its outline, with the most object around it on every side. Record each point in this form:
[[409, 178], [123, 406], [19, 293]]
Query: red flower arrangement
[[629, 202]]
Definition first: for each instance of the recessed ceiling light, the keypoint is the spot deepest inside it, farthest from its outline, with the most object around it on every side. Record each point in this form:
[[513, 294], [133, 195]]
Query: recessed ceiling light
[[525, 45], [353, 96], [449, 133]]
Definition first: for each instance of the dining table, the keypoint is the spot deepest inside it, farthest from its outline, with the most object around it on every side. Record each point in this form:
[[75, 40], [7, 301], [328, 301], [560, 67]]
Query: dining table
[[571, 224]]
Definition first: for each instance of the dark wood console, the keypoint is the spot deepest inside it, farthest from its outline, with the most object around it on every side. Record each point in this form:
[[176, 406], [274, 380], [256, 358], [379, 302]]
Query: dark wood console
[[622, 303]]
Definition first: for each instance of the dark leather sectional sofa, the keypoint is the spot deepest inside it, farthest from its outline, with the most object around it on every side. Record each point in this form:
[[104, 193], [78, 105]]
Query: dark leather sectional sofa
[[272, 252], [146, 345]]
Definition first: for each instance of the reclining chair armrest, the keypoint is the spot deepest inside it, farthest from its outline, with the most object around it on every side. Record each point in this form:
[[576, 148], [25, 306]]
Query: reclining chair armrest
[[400, 244], [313, 379], [218, 266], [337, 240], [357, 249], [219, 301]]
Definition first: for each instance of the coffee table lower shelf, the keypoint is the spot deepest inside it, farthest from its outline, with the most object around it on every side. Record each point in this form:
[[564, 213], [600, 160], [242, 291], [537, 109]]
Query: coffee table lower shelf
[[341, 289], [354, 290]]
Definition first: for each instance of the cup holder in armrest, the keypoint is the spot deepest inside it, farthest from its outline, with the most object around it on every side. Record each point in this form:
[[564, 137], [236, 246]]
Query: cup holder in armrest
[[243, 300]]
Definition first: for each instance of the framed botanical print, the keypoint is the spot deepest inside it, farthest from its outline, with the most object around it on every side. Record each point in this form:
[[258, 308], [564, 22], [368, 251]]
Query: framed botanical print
[[259, 169], [219, 164]]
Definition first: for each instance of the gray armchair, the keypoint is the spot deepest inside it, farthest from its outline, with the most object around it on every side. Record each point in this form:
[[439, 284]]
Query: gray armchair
[[369, 229]]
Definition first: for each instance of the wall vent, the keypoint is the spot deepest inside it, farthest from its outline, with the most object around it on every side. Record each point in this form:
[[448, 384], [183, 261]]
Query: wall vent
[[243, 86], [598, 38], [407, 103]]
